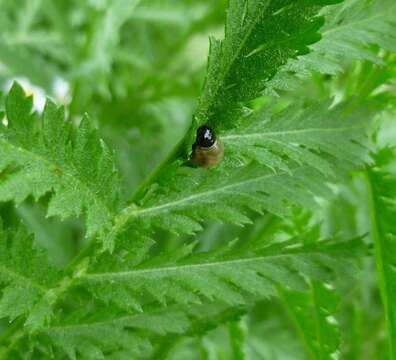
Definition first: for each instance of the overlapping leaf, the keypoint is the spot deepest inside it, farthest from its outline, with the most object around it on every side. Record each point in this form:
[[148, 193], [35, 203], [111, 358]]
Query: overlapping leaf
[[260, 36], [26, 278], [273, 162], [313, 314], [37, 157], [124, 336], [382, 197], [231, 275], [353, 30]]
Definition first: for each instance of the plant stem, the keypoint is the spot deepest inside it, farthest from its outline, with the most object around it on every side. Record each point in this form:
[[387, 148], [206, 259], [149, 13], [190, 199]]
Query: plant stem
[[174, 154]]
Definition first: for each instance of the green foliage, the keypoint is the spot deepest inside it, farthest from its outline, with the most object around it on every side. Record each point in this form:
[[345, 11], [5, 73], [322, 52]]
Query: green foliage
[[38, 157], [381, 181], [281, 168], [313, 313], [26, 278], [353, 31], [260, 36], [231, 275], [157, 258]]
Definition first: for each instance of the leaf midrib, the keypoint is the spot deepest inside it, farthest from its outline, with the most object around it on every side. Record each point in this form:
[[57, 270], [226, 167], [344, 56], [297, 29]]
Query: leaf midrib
[[120, 319], [288, 132], [194, 267], [229, 65], [132, 212]]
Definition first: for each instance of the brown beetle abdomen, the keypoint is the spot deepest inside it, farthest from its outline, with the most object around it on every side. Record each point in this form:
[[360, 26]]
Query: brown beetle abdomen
[[208, 156]]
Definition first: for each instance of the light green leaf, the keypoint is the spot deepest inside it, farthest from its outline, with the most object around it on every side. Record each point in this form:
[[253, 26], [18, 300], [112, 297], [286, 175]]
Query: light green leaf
[[313, 313], [26, 278], [381, 181], [260, 37], [231, 276], [350, 31], [274, 161], [37, 157]]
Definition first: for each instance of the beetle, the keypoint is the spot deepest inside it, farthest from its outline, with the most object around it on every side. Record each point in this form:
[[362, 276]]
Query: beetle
[[208, 150]]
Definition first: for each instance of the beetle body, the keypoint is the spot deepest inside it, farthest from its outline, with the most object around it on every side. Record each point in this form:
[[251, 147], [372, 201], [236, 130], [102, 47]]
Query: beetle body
[[207, 150]]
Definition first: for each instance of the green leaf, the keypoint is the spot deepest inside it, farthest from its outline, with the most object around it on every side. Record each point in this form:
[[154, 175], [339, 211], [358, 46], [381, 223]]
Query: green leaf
[[350, 31], [146, 296], [313, 314], [26, 278], [260, 36], [129, 335], [237, 331], [274, 161], [37, 157], [381, 181], [232, 275], [305, 136]]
